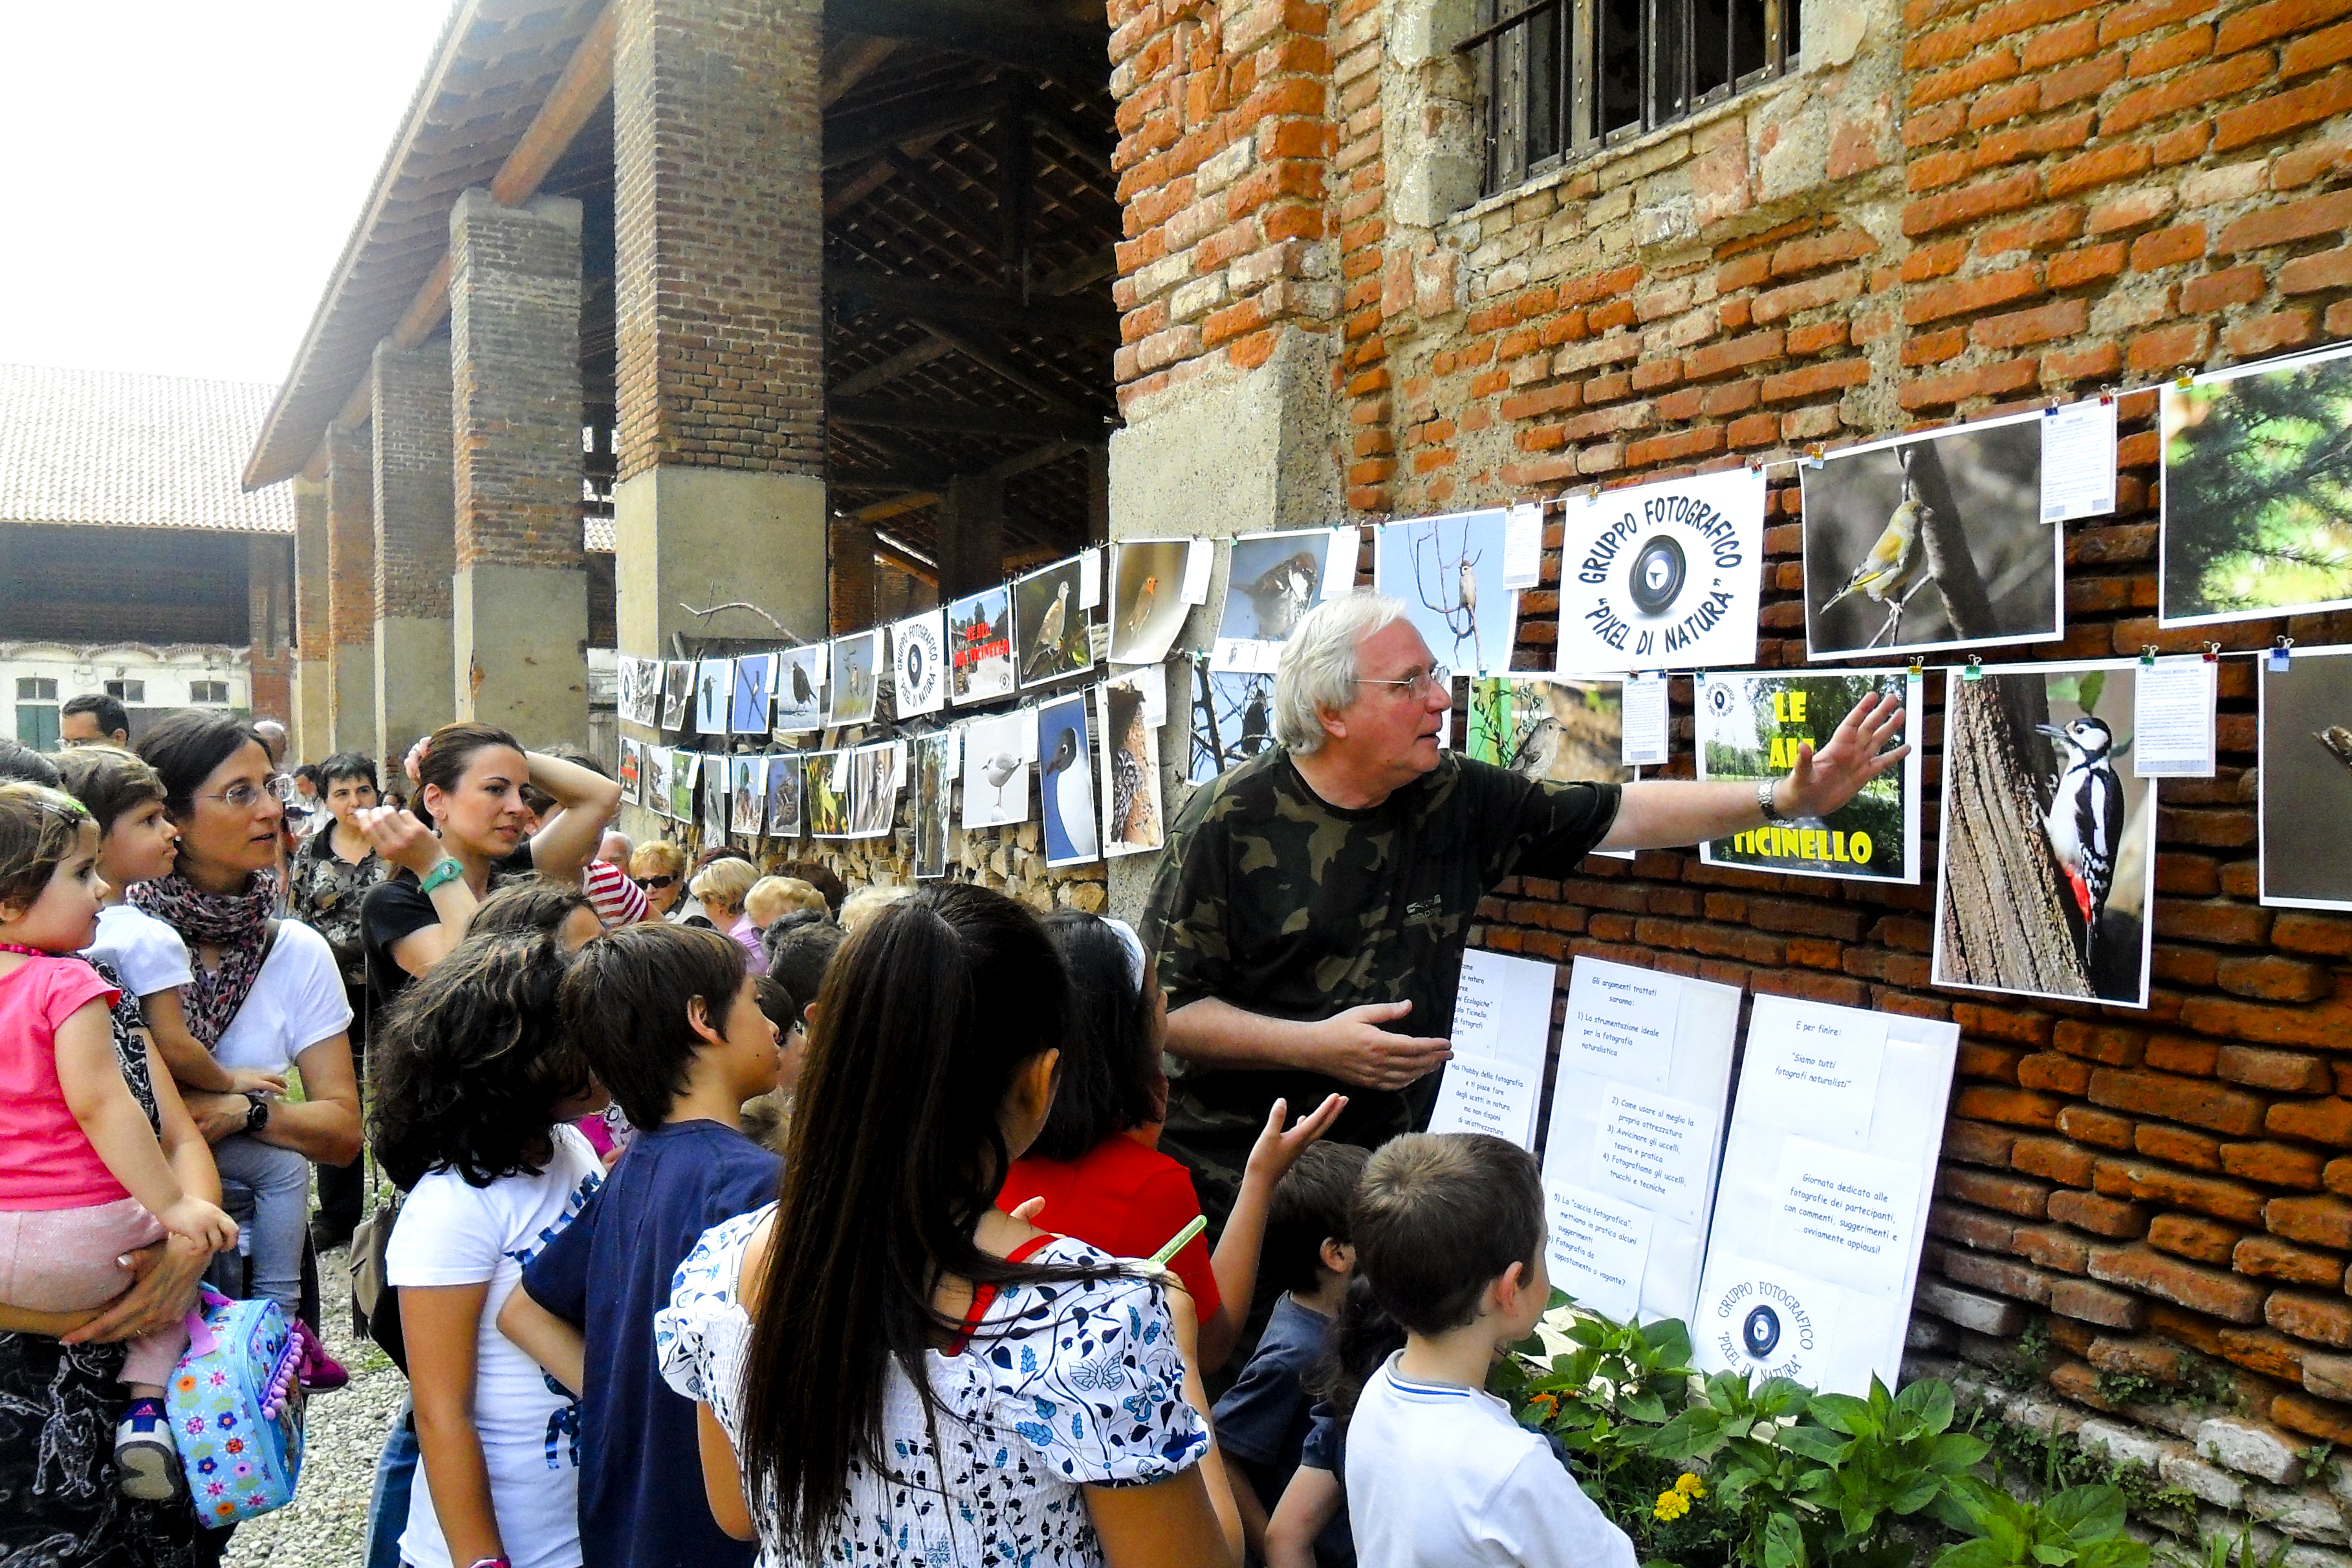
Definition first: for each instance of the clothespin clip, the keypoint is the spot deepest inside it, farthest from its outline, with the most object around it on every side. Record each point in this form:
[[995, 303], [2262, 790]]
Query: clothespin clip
[[1592, 496], [1918, 667], [2212, 653], [2185, 382], [2147, 653], [1813, 458], [2106, 395], [2050, 406], [1755, 465], [1975, 670], [2278, 654]]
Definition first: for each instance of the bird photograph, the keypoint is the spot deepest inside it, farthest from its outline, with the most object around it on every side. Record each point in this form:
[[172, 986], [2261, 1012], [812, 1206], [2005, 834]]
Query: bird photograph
[[873, 790], [784, 796], [1274, 580], [800, 689], [1929, 543], [2085, 819], [1049, 626], [2306, 780], [933, 803], [852, 661], [1065, 782], [677, 693], [1433, 564], [747, 795], [754, 678], [655, 781], [1147, 598], [684, 769], [1132, 744], [713, 685], [1232, 721], [997, 753], [825, 785]]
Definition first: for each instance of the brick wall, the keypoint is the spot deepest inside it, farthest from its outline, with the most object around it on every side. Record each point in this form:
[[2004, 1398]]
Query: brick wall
[[415, 494], [310, 620], [269, 655], [718, 228], [1955, 208], [351, 538]]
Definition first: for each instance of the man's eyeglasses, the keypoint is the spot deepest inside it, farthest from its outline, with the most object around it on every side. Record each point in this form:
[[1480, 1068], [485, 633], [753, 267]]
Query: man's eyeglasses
[[652, 884], [1420, 683], [245, 795]]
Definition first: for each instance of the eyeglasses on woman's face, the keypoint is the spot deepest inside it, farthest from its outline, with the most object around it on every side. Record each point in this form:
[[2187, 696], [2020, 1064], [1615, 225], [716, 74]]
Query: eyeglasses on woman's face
[[245, 795]]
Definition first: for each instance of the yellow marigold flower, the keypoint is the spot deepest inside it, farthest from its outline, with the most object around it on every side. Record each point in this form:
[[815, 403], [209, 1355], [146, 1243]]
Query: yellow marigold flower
[[1690, 1486], [1672, 1505]]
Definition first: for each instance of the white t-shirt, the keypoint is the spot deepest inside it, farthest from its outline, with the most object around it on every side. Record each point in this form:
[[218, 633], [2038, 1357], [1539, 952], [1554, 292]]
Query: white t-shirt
[[147, 955], [453, 1234], [1440, 1473], [297, 1000]]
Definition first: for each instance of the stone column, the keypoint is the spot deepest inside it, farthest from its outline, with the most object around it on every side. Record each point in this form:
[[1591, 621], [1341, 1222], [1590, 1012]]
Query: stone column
[[416, 545], [972, 535], [351, 588], [314, 678], [520, 596], [718, 229]]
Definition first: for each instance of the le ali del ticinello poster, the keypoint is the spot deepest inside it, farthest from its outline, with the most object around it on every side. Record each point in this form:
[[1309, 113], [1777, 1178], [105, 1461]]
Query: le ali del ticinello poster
[[1662, 575]]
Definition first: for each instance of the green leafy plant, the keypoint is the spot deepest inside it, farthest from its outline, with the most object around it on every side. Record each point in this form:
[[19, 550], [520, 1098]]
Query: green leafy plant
[[2081, 1527]]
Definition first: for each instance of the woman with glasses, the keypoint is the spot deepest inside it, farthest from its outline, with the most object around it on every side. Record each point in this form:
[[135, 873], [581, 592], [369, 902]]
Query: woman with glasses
[[267, 993], [659, 868]]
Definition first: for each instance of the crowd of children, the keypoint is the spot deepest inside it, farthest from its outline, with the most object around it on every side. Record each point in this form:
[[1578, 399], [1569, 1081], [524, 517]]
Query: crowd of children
[[753, 1222]]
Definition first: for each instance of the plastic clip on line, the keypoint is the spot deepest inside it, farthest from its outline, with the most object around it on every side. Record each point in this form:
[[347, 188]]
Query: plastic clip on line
[[2147, 653], [1975, 670], [2212, 653], [1918, 669], [2278, 654]]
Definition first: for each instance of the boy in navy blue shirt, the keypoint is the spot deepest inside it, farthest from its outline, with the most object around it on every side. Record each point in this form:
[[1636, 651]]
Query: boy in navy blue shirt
[[673, 1026], [1262, 1420]]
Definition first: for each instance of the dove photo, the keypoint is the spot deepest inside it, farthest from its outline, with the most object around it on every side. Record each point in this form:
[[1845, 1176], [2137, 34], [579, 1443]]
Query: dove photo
[[826, 793], [1130, 770], [1231, 719], [1065, 782], [800, 689], [933, 756], [755, 676], [684, 771], [919, 665], [1048, 627], [2257, 494], [784, 795], [1753, 726], [678, 694], [855, 659], [996, 757], [747, 795], [2306, 778], [714, 684], [1448, 571], [1272, 580], [2049, 840], [1931, 541], [1147, 596], [873, 789], [656, 783], [980, 647]]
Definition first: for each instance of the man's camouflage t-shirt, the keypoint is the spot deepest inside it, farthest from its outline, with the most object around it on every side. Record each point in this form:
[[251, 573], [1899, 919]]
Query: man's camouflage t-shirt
[[1271, 899]]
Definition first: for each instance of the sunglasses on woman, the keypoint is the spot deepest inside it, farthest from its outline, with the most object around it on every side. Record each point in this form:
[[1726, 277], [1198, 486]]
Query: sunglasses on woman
[[653, 884]]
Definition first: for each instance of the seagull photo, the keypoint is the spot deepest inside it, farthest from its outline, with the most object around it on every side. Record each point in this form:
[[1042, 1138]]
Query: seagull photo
[[997, 757]]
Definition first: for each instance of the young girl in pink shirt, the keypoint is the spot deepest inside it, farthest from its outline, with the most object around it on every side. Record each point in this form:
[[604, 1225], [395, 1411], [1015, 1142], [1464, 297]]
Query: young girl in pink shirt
[[83, 1180]]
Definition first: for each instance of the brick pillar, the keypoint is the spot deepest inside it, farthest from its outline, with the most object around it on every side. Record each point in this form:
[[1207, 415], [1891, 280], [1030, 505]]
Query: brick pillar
[[850, 588], [520, 596], [351, 588], [718, 228], [972, 535], [313, 676], [415, 543], [269, 584]]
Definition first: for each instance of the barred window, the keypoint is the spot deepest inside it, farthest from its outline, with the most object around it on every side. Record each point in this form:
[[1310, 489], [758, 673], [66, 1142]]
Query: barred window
[[1560, 79]]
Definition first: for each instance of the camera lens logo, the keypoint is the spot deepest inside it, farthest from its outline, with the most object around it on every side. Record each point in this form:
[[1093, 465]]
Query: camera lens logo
[[1719, 697], [1657, 575], [1761, 1332]]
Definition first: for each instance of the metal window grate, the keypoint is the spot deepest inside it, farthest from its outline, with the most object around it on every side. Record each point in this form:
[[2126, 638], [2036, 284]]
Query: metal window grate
[[1563, 77]]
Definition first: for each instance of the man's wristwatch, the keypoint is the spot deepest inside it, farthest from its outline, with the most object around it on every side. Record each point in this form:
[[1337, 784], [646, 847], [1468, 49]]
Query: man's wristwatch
[[257, 1114], [1766, 790], [449, 870]]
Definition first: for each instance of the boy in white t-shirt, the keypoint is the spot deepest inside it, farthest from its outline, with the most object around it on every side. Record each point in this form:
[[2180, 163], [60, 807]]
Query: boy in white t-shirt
[[1449, 1233]]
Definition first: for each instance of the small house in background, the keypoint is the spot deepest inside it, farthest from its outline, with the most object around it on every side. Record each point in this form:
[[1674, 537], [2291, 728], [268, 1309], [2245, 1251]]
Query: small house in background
[[131, 562]]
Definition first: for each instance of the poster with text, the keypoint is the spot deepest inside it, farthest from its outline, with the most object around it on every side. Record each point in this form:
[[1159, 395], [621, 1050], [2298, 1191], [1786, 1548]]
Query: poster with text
[[685, 775], [934, 764], [657, 778], [633, 771], [857, 665], [825, 792], [747, 795], [1827, 1174], [1752, 725], [784, 795], [1272, 580], [714, 684], [919, 664], [997, 753], [1448, 573], [639, 697], [2049, 836], [1929, 542], [755, 677], [1154, 583], [1636, 1121], [2256, 516], [1233, 720], [1049, 626], [801, 694], [1662, 576], [1502, 1028], [1130, 769], [2306, 778], [1066, 782], [873, 789], [678, 694], [980, 647]]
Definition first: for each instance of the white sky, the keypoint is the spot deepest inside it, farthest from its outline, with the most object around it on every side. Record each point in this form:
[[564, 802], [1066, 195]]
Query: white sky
[[179, 177]]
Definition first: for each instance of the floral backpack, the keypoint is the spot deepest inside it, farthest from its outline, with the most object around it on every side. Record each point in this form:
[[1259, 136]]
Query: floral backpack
[[236, 1408]]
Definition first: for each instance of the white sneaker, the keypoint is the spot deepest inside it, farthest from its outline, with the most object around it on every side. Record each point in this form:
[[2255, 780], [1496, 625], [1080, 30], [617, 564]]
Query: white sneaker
[[147, 1458]]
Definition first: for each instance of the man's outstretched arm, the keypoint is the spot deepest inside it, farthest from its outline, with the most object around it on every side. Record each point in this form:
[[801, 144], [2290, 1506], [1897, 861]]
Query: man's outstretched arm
[[1663, 813]]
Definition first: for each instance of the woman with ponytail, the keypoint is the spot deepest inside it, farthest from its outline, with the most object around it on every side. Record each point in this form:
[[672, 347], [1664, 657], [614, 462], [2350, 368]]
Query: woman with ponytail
[[889, 1367]]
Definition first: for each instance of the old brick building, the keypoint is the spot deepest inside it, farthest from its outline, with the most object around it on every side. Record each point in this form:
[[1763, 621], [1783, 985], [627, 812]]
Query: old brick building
[[846, 309], [130, 562]]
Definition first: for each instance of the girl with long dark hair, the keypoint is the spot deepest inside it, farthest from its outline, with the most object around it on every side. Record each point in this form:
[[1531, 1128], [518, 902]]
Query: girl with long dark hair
[[891, 1368]]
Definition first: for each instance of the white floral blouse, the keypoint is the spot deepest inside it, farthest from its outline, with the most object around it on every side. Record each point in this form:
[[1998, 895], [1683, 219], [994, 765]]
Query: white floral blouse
[[1064, 1385]]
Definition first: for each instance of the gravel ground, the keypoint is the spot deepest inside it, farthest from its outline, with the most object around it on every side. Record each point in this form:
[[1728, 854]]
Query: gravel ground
[[325, 1524]]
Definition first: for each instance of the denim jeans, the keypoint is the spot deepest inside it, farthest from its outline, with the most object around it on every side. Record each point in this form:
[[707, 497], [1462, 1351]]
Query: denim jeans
[[267, 1192], [395, 1473]]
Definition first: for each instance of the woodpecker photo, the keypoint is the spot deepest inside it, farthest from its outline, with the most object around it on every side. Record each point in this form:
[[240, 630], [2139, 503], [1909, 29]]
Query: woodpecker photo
[[2084, 821]]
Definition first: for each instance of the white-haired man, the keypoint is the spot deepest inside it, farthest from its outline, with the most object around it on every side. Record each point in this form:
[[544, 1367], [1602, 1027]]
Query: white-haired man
[[1310, 909]]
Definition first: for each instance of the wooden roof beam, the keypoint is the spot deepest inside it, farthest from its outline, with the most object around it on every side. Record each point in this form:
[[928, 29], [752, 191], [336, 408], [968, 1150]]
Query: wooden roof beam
[[961, 419], [1070, 318], [1077, 52]]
